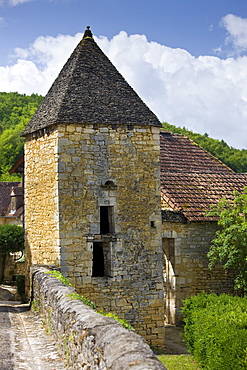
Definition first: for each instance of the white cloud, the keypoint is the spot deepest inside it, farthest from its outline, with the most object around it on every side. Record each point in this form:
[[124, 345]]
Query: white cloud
[[17, 2], [14, 2], [236, 28], [205, 94]]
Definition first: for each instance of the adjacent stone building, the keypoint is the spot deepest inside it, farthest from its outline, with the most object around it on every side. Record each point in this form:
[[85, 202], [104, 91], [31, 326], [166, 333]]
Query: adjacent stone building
[[92, 190], [191, 181]]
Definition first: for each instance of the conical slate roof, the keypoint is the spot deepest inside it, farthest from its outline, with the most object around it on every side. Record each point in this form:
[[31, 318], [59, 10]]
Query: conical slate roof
[[90, 90]]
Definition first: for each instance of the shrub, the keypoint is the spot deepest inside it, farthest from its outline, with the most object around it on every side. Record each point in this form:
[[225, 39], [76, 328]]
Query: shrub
[[216, 330], [20, 285]]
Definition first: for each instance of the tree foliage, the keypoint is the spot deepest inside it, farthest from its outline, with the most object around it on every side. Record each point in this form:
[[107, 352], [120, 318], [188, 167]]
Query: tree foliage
[[11, 240], [16, 111], [230, 245], [236, 159]]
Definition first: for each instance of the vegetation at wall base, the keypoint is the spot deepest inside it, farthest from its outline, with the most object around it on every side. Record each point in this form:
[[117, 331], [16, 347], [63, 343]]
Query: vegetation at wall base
[[123, 322], [59, 276], [83, 299], [216, 330], [179, 362], [20, 284], [11, 240]]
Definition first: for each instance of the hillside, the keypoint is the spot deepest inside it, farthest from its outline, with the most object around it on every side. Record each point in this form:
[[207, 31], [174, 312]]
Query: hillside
[[17, 109], [15, 112]]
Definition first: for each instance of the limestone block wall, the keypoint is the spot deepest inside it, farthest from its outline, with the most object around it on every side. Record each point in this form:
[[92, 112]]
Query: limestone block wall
[[13, 268], [185, 258], [73, 173], [118, 168], [11, 220], [41, 199], [86, 339]]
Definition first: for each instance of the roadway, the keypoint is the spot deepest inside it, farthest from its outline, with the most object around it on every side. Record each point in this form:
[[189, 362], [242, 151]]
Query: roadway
[[24, 343]]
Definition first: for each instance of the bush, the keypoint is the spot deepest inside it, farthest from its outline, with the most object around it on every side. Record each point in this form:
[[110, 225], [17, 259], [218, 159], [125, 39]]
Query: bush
[[20, 284], [216, 330]]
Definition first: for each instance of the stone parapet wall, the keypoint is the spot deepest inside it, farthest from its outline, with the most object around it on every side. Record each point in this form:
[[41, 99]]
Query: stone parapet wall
[[87, 339]]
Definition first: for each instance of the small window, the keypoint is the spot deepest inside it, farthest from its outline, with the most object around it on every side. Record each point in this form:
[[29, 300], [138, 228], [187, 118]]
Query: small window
[[109, 183], [98, 260], [101, 259], [106, 220]]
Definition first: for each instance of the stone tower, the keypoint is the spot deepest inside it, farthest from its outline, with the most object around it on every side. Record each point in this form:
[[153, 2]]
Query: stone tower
[[92, 189]]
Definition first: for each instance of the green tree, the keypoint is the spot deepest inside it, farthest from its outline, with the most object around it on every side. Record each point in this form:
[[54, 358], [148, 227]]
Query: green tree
[[16, 111], [230, 245], [11, 240]]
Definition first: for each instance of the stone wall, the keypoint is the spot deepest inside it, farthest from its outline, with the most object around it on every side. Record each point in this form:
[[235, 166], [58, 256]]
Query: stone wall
[[13, 267], [41, 200], [86, 339], [73, 172], [185, 248]]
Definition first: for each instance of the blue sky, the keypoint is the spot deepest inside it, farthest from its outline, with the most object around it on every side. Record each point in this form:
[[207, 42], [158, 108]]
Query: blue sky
[[187, 59]]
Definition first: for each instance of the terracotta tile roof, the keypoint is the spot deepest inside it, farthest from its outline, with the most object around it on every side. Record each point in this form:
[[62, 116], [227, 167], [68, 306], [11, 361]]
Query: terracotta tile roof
[[89, 89], [192, 179], [5, 199], [181, 154]]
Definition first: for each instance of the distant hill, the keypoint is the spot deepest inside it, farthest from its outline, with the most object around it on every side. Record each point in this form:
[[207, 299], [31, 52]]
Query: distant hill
[[234, 158], [17, 109], [15, 112]]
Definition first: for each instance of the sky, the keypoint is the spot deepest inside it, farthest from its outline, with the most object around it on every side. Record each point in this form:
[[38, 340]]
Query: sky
[[187, 59]]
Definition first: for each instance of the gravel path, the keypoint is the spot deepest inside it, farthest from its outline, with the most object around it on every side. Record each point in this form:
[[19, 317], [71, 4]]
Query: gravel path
[[23, 341]]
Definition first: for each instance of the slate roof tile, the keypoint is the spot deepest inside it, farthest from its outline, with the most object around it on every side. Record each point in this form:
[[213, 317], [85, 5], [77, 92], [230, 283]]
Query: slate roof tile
[[90, 90]]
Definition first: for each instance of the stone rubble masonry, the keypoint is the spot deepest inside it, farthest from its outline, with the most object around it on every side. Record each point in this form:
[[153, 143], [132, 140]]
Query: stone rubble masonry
[[87, 339], [71, 170], [188, 274]]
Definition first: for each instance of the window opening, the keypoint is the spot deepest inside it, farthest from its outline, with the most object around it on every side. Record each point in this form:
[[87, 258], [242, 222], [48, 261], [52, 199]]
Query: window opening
[[98, 260], [101, 259], [109, 183], [106, 220]]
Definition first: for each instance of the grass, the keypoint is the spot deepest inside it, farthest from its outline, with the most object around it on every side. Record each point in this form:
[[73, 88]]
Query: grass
[[179, 362]]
